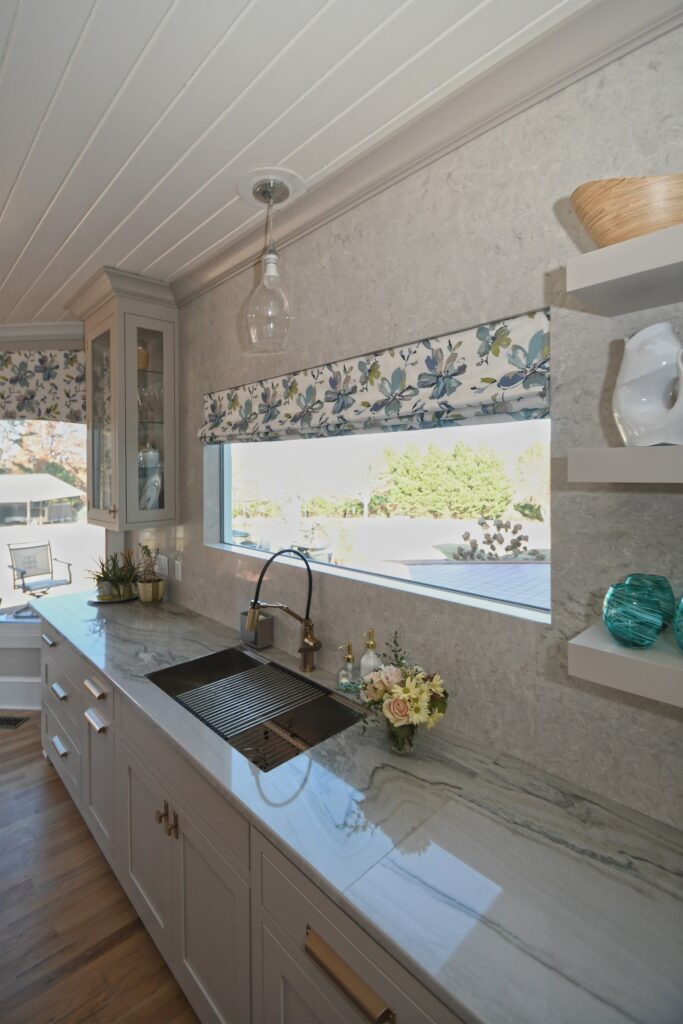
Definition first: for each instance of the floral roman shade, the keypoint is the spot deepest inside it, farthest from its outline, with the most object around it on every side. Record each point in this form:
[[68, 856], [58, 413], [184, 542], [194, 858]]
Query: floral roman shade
[[499, 370], [42, 385]]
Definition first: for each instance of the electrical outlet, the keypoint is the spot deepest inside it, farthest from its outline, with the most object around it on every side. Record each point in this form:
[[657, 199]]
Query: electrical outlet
[[178, 569], [162, 565]]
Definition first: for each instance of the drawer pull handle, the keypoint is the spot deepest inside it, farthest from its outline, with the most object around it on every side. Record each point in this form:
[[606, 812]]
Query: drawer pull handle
[[59, 746], [345, 978], [48, 640], [160, 816], [59, 693], [97, 692], [172, 827], [92, 719]]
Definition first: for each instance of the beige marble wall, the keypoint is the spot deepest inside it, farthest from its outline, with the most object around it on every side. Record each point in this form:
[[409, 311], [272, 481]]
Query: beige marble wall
[[479, 234]]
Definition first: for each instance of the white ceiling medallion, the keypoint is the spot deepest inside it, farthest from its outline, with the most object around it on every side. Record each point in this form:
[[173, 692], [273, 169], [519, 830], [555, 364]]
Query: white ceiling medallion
[[248, 183]]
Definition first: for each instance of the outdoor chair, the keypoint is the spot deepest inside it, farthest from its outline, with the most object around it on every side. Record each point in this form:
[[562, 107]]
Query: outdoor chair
[[33, 571]]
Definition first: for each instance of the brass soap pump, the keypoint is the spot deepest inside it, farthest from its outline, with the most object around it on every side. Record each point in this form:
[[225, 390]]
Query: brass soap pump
[[371, 660]]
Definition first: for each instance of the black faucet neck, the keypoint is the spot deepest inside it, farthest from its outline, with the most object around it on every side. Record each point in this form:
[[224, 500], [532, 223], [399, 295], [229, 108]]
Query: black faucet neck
[[299, 554]]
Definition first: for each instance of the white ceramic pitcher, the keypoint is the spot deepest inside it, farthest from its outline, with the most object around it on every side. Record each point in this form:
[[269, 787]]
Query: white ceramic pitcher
[[648, 397]]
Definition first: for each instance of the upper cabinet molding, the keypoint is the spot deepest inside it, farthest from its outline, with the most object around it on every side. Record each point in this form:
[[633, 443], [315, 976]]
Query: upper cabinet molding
[[110, 283], [599, 33], [26, 337]]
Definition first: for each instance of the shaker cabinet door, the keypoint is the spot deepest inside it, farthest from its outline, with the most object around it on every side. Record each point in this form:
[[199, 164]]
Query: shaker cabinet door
[[98, 779], [211, 901], [288, 993], [146, 848]]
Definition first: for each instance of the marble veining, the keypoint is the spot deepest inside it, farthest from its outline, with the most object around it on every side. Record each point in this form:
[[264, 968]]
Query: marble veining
[[510, 894]]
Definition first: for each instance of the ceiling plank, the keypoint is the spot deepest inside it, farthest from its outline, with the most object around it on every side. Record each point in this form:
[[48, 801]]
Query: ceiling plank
[[231, 66], [43, 40], [106, 53]]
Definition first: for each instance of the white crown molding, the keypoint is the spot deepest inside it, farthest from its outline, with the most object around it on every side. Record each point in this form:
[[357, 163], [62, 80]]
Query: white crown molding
[[109, 283], [595, 36], [27, 337]]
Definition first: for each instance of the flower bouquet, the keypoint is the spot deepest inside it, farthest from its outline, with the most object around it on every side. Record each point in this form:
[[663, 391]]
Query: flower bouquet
[[405, 696]]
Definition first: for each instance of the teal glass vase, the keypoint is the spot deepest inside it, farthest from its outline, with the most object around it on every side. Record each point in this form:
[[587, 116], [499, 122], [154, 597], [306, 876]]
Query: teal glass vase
[[663, 590], [632, 614], [678, 624]]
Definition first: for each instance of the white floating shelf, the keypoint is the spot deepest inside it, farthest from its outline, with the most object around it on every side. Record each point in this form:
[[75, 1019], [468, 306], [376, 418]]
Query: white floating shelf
[[655, 672], [662, 464], [637, 274]]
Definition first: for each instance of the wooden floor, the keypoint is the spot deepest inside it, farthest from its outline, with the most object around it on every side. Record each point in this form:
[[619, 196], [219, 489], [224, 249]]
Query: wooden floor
[[71, 945]]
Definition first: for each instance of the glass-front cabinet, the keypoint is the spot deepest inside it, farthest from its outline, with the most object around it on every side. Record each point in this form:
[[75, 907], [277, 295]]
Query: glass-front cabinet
[[131, 355]]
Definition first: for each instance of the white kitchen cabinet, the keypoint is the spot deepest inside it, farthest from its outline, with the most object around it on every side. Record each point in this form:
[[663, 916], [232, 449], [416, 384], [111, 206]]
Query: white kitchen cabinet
[[146, 853], [211, 903], [131, 337], [193, 899], [97, 775], [288, 994], [311, 963]]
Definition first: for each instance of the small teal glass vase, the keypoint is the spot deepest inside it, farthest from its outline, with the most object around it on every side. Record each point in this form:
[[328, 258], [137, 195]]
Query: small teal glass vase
[[632, 614], [663, 590], [678, 624]]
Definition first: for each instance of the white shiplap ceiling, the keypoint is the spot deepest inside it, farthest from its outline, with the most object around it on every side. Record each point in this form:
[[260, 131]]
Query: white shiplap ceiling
[[125, 124]]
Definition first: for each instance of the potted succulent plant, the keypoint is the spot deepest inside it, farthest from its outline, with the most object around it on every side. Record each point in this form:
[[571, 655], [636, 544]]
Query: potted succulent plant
[[116, 576], [150, 584]]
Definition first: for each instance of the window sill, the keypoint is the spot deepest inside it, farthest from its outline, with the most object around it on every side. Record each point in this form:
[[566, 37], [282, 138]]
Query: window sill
[[529, 614]]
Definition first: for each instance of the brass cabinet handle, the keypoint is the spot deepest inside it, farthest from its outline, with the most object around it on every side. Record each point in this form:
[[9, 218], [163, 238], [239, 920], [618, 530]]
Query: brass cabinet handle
[[59, 693], [59, 746], [172, 827], [48, 640], [92, 719], [97, 691], [160, 816], [364, 998]]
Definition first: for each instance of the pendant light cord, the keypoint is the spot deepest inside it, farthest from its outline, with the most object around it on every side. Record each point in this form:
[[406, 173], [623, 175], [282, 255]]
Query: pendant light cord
[[269, 226]]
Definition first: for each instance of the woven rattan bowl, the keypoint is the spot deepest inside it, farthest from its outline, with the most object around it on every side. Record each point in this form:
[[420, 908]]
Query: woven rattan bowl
[[614, 209]]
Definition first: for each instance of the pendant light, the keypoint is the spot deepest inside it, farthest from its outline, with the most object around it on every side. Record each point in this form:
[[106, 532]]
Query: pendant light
[[268, 318], [268, 308]]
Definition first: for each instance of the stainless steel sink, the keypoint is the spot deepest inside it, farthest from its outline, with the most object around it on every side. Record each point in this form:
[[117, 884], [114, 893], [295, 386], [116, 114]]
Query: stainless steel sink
[[268, 713]]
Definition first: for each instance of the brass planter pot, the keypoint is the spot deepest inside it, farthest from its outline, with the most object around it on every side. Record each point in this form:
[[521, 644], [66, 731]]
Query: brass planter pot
[[151, 592]]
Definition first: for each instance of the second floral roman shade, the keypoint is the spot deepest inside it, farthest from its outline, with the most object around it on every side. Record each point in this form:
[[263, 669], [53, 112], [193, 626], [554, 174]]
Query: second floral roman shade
[[498, 370], [42, 385]]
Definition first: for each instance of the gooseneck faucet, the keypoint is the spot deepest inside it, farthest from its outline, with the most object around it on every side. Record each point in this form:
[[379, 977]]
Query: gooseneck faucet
[[309, 642]]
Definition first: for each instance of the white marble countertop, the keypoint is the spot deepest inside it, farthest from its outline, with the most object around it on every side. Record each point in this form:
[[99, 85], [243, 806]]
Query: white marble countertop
[[514, 898]]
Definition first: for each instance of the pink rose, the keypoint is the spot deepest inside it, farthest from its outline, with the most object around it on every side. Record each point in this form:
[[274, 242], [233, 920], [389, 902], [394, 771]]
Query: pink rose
[[393, 676], [396, 709]]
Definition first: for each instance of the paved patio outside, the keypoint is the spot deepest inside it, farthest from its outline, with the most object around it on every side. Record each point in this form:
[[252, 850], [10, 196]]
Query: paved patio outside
[[525, 583]]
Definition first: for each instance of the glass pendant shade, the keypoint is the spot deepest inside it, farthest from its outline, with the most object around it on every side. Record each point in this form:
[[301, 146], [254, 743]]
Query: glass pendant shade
[[268, 309]]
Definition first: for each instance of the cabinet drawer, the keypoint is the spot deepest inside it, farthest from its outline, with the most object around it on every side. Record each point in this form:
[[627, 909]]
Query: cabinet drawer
[[224, 821], [92, 685], [336, 954], [63, 697], [63, 754]]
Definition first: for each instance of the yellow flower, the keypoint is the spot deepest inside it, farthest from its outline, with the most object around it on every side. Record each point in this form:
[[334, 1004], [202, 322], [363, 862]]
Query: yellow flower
[[436, 684], [435, 717], [419, 709]]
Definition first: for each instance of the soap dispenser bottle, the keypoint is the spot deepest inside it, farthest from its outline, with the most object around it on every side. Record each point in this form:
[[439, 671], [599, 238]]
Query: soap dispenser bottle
[[371, 660], [348, 677]]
